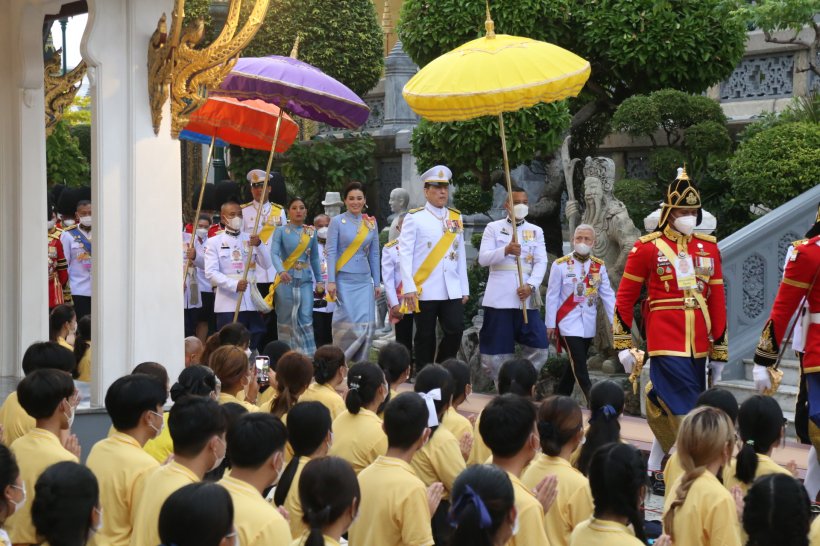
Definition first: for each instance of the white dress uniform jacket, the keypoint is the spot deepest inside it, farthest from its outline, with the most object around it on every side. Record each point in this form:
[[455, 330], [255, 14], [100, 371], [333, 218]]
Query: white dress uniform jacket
[[225, 256], [199, 262], [503, 280], [204, 283], [78, 260], [331, 305], [565, 273], [391, 273], [249, 211], [421, 230]]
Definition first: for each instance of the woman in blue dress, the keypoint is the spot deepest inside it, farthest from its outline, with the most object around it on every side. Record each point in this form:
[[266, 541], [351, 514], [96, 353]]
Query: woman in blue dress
[[295, 257], [353, 274]]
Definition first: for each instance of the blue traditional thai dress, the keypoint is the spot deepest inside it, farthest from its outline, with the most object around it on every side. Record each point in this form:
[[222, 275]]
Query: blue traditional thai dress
[[294, 300], [354, 320]]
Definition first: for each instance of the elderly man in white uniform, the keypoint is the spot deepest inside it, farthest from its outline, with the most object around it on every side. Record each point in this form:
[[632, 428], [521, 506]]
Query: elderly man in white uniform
[[504, 296], [434, 270], [577, 282]]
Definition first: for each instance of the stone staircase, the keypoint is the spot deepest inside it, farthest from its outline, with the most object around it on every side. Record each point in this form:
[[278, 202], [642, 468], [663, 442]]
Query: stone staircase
[[786, 395]]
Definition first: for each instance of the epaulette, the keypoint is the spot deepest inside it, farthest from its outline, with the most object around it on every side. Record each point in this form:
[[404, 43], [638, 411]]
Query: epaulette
[[394, 242], [275, 206], [454, 210], [704, 237], [248, 204], [563, 259], [598, 261], [650, 237], [413, 211], [55, 235], [799, 242]]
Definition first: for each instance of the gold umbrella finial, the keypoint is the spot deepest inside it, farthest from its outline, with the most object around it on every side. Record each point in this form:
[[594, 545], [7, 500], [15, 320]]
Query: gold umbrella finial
[[489, 25], [294, 53]]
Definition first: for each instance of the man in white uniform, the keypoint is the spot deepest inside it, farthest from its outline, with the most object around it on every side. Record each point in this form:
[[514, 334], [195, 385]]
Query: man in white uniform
[[225, 257], [503, 316], [391, 278], [322, 309], [578, 281], [273, 216], [434, 270], [76, 243]]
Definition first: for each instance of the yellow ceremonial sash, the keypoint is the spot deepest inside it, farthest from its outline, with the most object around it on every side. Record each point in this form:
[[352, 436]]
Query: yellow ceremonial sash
[[268, 227], [434, 258], [351, 250], [288, 264]]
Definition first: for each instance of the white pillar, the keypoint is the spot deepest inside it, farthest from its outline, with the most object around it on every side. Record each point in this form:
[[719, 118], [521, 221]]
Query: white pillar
[[23, 267], [137, 274]]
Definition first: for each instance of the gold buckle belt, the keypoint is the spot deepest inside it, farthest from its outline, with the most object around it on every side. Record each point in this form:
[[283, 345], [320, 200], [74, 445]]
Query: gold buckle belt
[[298, 266], [674, 303]]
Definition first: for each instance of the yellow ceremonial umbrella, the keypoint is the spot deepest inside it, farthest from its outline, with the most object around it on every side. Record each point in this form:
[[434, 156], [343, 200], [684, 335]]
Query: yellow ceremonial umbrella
[[492, 75]]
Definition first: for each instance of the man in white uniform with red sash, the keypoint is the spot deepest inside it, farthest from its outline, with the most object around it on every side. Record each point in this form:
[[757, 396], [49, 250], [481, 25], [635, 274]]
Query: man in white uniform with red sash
[[578, 281]]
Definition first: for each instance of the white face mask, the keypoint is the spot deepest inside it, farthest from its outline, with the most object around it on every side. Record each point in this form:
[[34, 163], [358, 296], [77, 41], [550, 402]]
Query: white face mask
[[202, 233], [218, 460], [521, 210], [85, 221], [19, 505], [583, 249], [161, 425], [235, 223], [68, 222], [71, 416], [51, 224], [98, 527], [686, 224], [516, 526], [322, 233]]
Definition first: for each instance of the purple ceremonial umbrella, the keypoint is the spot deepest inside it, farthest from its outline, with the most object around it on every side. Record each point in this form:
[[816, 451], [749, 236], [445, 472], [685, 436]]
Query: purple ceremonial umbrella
[[298, 88]]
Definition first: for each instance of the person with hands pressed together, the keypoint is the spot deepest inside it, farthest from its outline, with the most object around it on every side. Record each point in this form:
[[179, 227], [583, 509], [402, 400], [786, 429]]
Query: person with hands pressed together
[[396, 507], [225, 257], [433, 265], [353, 274], [504, 297], [49, 396]]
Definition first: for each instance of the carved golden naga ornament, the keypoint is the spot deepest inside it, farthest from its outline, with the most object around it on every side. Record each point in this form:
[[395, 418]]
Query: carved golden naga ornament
[[177, 69], [60, 89]]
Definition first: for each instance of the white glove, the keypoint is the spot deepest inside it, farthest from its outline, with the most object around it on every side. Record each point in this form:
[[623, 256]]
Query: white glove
[[717, 370], [762, 379], [627, 359]]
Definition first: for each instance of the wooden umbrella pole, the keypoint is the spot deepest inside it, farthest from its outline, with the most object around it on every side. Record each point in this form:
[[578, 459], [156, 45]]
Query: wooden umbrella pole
[[511, 205], [241, 295], [199, 204]]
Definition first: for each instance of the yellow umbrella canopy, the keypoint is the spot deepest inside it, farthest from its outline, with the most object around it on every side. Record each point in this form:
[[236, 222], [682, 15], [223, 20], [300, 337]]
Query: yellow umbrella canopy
[[494, 74]]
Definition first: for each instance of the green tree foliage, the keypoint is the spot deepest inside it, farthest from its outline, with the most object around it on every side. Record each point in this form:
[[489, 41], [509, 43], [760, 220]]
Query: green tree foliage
[[79, 112], [641, 197], [340, 37], [65, 163], [777, 164], [469, 198], [82, 133]]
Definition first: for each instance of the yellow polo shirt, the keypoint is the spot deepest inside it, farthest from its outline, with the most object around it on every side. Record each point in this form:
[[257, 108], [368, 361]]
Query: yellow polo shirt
[[293, 504], [265, 397], [225, 398], [63, 343], [574, 502], [358, 438], [599, 532], [708, 517], [673, 470], [84, 365], [530, 516], [156, 488], [327, 395], [440, 460], [393, 510], [302, 539], [457, 424], [393, 394], [479, 452], [16, 422], [35, 451], [765, 466], [161, 447], [814, 533], [257, 522], [120, 465]]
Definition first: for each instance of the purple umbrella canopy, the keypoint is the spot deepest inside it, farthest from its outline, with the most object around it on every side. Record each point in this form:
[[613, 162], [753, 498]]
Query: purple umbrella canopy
[[296, 86]]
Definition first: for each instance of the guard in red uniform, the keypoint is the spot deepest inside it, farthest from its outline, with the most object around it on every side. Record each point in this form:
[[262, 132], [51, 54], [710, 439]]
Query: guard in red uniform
[[684, 313], [58, 290]]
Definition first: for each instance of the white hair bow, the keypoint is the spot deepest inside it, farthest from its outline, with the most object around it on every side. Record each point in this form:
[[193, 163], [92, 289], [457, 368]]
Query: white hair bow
[[429, 398]]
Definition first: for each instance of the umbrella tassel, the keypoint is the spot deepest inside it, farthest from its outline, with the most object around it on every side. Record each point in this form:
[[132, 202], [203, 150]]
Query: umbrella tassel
[[199, 204], [512, 213], [259, 215]]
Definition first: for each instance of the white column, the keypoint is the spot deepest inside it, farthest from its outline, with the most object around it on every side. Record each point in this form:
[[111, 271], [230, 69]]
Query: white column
[[137, 302], [23, 268]]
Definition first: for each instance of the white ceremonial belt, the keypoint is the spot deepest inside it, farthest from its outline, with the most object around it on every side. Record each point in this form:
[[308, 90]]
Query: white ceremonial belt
[[510, 267], [814, 318]]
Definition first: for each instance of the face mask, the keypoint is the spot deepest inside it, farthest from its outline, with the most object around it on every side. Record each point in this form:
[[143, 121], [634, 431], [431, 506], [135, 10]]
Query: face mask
[[19, 505], [68, 222], [686, 224], [330, 443], [202, 233], [248, 353], [521, 210], [218, 459], [322, 233], [516, 526], [98, 527], [85, 221], [72, 328], [161, 425], [582, 249], [235, 223], [71, 416], [51, 224]]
